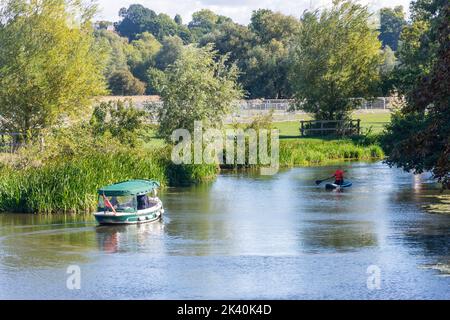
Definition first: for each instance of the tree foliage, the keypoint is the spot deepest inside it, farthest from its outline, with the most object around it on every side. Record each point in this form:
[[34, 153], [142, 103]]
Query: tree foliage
[[204, 22], [138, 19], [115, 49], [119, 119], [419, 137], [336, 57], [198, 86], [261, 51], [392, 22], [418, 44], [169, 53], [267, 67], [123, 83], [141, 54], [269, 25], [387, 75], [49, 65]]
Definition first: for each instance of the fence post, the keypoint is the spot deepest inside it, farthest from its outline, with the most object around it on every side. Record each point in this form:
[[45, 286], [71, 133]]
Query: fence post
[[302, 128]]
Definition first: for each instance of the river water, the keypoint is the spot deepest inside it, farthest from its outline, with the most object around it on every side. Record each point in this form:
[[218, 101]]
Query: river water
[[245, 236]]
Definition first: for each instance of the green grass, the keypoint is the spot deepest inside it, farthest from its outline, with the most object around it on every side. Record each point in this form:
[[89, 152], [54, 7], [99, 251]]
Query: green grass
[[376, 121], [307, 152], [298, 151]]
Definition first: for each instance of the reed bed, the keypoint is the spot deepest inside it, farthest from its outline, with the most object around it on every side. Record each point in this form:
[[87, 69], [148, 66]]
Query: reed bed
[[70, 185], [307, 152]]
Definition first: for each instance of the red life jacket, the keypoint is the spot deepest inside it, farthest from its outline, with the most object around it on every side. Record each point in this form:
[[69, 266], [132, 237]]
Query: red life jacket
[[339, 175]]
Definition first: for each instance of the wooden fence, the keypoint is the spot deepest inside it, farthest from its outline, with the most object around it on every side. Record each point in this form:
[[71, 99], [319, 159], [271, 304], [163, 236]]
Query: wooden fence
[[330, 127]]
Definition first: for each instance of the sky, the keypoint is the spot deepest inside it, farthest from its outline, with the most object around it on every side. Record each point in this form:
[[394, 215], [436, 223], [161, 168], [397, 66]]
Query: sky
[[239, 10]]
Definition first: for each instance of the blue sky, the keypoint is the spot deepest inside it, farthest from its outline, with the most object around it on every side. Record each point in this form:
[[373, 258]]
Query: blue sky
[[239, 10]]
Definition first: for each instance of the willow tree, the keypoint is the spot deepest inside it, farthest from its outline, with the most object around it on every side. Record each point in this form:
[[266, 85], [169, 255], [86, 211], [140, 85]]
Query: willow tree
[[197, 87], [336, 57], [49, 65]]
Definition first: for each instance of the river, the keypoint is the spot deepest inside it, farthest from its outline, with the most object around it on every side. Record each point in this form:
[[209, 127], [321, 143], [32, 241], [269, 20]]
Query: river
[[245, 236]]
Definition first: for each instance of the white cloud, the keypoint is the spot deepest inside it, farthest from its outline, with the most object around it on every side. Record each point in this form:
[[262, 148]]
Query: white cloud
[[239, 10]]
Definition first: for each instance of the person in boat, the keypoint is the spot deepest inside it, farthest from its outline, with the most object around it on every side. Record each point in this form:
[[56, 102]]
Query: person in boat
[[339, 177], [114, 202], [143, 202]]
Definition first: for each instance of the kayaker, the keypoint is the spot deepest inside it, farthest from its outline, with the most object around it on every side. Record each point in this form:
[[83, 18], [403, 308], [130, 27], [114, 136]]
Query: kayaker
[[339, 177]]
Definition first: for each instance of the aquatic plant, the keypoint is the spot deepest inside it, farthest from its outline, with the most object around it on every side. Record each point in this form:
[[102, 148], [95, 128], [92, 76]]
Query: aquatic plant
[[305, 152], [71, 184]]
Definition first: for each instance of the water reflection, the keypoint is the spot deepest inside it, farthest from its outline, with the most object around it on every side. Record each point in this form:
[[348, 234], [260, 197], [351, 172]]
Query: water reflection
[[245, 236], [339, 235], [131, 238], [41, 241]]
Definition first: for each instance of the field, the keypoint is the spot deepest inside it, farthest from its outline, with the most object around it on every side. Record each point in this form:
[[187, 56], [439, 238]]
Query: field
[[369, 121]]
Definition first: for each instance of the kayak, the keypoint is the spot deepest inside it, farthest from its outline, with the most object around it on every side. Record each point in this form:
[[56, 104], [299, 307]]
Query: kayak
[[332, 186]]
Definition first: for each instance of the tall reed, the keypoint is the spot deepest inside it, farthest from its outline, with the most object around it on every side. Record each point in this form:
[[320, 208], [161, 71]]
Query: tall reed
[[308, 152], [70, 185]]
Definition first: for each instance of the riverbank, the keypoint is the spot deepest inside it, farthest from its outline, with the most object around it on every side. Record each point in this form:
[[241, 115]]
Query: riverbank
[[69, 185], [311, 152], [65, 178]]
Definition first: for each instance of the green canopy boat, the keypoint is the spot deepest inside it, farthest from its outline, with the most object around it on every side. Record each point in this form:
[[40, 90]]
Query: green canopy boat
[[129, 202]]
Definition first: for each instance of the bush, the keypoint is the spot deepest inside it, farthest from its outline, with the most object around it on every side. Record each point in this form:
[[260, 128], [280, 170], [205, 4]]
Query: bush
[[123, 83]]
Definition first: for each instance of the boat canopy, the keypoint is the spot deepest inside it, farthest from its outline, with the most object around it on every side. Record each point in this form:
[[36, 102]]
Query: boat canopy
[[129, 188]]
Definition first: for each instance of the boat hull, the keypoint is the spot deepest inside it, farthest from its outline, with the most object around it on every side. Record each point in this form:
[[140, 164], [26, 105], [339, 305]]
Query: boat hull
[[332, 186], [129, 218]]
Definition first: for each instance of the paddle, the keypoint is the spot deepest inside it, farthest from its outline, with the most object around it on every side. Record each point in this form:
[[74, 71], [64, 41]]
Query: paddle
[[320, 181]]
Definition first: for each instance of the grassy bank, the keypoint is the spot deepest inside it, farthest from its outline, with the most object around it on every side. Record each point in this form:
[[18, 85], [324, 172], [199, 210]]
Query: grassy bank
[[67, 176], [373, 122], [70, 185], [308, 152]]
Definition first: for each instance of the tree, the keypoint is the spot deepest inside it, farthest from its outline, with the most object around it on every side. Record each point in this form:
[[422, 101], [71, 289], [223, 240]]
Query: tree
[[141, 54], [418, 44], [120, 118], [387, 71], [103, 24], [418, 139], [137, 19], [49, 64], [269, 25], [261, 51], [267, 68], [392, 22], [164, 26], [123, 83], [204, 22], [116, 50], [336, 57], [169, 53], [178, 20], [232, 39], [198, 86]]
